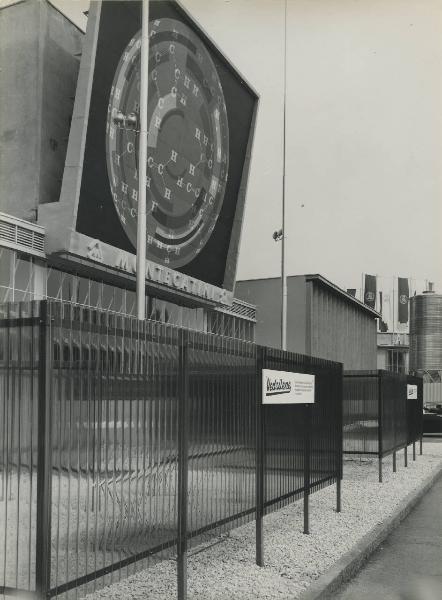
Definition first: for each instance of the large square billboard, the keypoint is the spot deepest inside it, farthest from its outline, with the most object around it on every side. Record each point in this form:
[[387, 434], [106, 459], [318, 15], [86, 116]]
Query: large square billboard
[[201, 117]]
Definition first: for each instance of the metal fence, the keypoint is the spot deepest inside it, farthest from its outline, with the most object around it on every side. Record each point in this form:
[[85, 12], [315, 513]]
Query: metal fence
[[415, 411], [378, 417], [433, 393], [124, 442]]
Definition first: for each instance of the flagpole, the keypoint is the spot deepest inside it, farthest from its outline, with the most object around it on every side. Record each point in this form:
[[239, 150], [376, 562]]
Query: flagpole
[[283, 277], [393, 315], [142, 163]]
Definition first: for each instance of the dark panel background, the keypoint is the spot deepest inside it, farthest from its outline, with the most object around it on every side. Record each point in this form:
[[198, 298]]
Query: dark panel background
[[97, 217]]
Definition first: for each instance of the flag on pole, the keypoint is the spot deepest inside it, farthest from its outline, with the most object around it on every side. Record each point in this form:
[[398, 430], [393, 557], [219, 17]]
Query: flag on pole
[[370, 291], [403, 298]]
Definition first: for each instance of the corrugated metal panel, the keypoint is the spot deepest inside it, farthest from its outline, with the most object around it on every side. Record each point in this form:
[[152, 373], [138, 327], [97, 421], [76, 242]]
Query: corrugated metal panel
[[426, 332], [341, 332], [433, 393]]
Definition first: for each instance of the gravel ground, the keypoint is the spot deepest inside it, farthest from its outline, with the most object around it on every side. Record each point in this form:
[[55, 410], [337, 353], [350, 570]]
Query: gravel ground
[[292, 560]]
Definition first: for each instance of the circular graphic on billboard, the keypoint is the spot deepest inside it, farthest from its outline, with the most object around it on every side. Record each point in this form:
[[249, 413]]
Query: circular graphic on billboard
[[187, 147]]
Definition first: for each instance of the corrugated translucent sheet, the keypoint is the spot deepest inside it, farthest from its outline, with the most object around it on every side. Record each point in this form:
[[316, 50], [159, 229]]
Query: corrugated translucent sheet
[[367, 393], [415, 410], [289, 428], [222, 413], [114, 393], [394, 426], [360, 403], [114, 445], [19, 361]]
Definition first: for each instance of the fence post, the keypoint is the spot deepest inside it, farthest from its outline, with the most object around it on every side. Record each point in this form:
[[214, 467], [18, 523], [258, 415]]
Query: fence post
[[308, 425], [421, 410], [406, 456], [183, 457], [414, 450], [380, 406], [341, 438], [44, 458], [260, 457], [394, 461]]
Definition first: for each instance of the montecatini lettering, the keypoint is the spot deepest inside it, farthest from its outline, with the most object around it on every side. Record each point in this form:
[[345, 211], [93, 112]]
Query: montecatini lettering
[[278, 385]]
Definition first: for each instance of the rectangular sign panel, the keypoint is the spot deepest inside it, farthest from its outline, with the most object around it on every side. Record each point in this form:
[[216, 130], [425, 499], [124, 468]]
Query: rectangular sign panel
[[412, 391], [284, 387]]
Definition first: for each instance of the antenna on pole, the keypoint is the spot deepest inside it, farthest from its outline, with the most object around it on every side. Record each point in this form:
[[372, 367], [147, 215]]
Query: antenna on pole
[[142, 164]]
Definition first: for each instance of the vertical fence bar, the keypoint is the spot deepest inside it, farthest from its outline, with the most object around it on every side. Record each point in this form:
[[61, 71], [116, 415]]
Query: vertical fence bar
[[414, 450], [183, 442], [380, 423], [406, 456], [259, 457], [394, 461], [44, 468], [307, 434]]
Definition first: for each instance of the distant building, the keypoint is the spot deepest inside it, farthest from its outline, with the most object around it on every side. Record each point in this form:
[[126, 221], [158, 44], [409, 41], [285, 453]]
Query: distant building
[[322, 319], [393, 351]]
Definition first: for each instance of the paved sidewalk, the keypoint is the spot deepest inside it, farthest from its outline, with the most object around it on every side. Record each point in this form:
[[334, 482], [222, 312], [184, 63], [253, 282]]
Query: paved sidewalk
[[408, 565]]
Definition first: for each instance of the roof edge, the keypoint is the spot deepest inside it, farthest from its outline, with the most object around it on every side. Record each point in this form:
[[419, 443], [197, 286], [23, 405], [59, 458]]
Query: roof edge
[[337, 290]]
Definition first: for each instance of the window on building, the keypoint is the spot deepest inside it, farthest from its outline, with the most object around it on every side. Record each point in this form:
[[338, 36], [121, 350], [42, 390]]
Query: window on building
[[396, 360]]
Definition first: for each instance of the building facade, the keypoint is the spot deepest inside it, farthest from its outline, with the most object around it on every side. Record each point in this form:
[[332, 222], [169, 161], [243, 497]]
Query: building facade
[[393, 352], [322, 319], [48, 122]]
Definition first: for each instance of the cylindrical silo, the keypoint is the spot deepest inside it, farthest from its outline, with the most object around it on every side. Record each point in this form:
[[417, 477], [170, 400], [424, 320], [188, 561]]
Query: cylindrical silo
[[426, 332]]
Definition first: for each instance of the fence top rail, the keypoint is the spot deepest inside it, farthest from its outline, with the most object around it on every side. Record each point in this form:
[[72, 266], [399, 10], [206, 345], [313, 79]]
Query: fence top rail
[[97, 320], [286, 356], [376, 373], [360, 373]]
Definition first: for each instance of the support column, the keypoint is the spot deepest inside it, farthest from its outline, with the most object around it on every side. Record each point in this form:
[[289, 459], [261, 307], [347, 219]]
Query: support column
[[44, 460]]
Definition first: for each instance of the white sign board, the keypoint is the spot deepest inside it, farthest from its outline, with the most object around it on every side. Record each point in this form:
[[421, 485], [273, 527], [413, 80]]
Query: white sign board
[[411, 392], [284, 387]]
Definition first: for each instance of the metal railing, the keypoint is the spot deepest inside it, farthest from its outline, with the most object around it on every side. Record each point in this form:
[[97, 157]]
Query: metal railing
[[125, 442], [378, 417]]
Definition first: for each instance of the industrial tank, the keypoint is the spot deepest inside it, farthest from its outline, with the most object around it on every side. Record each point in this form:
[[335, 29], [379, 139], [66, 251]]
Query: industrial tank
[[426, 332]]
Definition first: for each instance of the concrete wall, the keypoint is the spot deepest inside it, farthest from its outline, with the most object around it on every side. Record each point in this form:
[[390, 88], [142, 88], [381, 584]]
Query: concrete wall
[[382, 358], [19, 109], [37, 81], [266, 295], [61, 61], [296, 314]]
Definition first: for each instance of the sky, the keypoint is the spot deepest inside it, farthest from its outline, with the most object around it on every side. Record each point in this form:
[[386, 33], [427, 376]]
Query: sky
[[363, 184]]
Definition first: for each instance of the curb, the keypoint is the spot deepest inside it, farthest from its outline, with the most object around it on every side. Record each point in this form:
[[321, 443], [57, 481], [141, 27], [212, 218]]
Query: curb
[[347, 566]]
